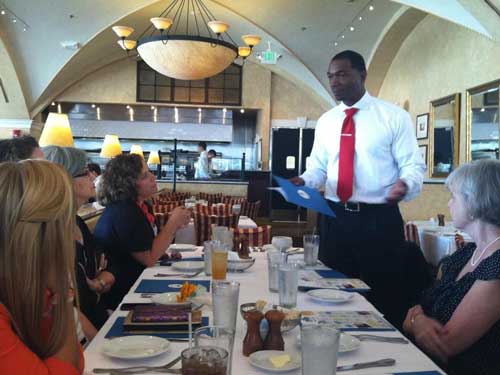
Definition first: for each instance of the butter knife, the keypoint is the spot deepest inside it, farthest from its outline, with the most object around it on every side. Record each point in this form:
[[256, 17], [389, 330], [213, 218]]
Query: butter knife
[[393, 340], [357, 366]]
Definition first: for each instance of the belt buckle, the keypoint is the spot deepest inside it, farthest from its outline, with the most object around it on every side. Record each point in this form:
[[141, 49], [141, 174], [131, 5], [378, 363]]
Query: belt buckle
[[347, 206]]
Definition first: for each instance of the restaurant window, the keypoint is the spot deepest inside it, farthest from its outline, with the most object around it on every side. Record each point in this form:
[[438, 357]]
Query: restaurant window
[[221, 89]]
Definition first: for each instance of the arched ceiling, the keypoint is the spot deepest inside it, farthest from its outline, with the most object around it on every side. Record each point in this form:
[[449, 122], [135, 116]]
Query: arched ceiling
[[302, 31]]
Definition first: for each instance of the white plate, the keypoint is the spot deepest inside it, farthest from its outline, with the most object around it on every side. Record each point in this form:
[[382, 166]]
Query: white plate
[[330, 295], [261, 360], [167, 299], [135, 347], [189, 266], [348, 343], [181, 247]]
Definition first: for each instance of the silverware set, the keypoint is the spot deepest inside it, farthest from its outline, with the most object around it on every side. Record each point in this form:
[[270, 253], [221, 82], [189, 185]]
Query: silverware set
[[183, 275], [392, 340], [140, 369]]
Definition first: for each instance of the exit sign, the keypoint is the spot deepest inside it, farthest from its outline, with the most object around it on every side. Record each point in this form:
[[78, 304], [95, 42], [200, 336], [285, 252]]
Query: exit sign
[[269, 57]]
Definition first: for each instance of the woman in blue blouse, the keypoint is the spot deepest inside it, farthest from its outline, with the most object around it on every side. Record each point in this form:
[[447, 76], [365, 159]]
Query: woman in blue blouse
[[458, 319], [127, 227]]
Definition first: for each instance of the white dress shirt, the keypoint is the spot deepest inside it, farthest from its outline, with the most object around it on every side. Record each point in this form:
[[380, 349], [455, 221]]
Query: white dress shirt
[[386, 150], [202, 168]]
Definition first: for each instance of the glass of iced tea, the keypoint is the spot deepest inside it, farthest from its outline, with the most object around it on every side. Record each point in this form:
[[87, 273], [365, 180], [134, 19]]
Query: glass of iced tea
[[219, 260], [204, 360]]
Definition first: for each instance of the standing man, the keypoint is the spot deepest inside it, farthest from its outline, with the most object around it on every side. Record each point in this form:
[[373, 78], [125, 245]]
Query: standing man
[[366, 155], [202, 168]]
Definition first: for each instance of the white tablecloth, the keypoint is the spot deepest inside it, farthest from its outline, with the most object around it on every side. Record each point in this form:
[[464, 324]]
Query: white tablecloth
[[187, 235], [437, 242], [254, 285]]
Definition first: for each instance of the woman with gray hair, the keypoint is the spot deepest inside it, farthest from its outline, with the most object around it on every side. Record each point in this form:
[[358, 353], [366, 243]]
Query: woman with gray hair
[[92, 274], [458, 319]]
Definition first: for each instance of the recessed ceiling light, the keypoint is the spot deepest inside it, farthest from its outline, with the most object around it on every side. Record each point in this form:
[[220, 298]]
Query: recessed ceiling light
[[242, 110], [482, 109], [93, 105], [360, 18], [371, 7], [2, 12], [351, 28]]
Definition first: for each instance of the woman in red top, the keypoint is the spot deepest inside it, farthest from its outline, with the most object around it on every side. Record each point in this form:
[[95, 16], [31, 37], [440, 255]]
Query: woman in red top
[[37, 326]]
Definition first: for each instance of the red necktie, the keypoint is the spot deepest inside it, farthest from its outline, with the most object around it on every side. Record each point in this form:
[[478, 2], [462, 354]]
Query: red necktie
[[346, 156]]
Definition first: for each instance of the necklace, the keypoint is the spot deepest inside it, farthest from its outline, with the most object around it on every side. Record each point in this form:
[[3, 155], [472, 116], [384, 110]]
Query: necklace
[[474, 262]]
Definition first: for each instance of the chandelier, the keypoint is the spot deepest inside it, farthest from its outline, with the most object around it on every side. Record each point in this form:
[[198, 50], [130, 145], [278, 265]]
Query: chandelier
[[186, 42]]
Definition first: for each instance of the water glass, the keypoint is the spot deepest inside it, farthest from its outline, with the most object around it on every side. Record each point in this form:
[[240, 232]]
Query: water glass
[[205, 360], [225, 297], [236, 209], [311, 248], [282, 243], [274, 260], [216, 336], [288, 282], [319, 345], [207, 256], [224, 235]]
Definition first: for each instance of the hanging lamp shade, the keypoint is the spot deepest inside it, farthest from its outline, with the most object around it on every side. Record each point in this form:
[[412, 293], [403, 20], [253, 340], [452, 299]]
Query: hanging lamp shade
[[57, 131], [111, 146], [187, 58], [218, 27], [251, 40], [161, 23], [136, 149], [123, 31], [127, 44], [154, 158], [244, 51]]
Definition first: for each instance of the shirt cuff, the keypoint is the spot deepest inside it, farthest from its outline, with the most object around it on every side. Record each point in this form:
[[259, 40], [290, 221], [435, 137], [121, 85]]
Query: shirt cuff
[[413, 189]]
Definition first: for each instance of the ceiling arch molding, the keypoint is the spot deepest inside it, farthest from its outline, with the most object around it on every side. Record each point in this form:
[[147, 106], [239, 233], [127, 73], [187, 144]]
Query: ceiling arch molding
[[388, 45]]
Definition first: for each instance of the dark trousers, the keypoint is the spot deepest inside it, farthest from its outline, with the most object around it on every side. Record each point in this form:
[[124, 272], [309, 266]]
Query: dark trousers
[[367, 245]]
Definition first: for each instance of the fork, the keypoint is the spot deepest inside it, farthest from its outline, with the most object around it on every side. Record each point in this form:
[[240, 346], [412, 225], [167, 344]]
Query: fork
[[192, 275], [394, 340], [136, 369]]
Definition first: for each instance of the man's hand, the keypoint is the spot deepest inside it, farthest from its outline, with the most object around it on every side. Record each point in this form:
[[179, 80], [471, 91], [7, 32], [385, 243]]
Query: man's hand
[[297, 181], [398, 192]]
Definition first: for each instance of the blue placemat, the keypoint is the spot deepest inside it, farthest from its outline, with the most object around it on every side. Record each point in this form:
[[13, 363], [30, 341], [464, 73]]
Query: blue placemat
[[190, 259], [164, 286], [117, 331], [418, 373], [331, 274]]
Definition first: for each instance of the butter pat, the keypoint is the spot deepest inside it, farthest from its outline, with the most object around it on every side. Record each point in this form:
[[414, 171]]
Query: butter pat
[[279, 361]]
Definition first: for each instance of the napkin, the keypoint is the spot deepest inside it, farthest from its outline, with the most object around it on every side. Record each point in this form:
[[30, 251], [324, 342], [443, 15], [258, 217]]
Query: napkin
[[164, 286]]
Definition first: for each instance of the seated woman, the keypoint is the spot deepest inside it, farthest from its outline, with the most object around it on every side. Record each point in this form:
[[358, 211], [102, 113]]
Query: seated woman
[[458, 319], [37, 327], [126, 229], [92, 276]]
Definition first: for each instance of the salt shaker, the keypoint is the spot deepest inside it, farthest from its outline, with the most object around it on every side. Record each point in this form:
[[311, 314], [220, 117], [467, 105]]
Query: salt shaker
[[274, 339], [252, 342]]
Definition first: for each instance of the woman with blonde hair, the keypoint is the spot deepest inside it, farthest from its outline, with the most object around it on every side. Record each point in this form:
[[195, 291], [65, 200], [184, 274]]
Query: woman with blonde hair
[[37, 326]]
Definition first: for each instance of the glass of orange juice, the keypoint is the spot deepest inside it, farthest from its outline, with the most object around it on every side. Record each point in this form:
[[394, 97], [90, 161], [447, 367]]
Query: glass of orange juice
[[219, 260]]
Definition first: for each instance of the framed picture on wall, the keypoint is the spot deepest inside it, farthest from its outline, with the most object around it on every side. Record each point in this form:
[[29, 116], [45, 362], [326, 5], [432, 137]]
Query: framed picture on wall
[[423, 126], [423, 151]]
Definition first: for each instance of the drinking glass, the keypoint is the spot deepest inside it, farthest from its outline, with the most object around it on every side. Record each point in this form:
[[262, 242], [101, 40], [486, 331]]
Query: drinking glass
[[274, 260], [225, 296], [224, 235], [288, 284], [236, 209], [219, 260], [311, 247], [216, 336], [207, 257], [205, 360], [319, 345], [282, 243]]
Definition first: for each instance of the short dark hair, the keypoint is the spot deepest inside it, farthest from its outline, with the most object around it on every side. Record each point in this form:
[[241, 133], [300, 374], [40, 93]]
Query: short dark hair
[[119, 180], [19, 148], [94, 167], [203, 145], [213, 152], [357, 61]]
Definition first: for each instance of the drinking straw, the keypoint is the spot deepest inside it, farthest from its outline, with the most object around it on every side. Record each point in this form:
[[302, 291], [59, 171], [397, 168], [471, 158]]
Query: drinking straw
[[190, 331]]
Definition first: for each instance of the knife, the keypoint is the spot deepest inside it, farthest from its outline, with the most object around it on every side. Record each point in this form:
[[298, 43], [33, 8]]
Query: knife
[[357, 366]]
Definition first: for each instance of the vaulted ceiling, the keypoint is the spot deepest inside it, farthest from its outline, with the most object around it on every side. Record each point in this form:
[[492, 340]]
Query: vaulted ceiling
[[302, 31]]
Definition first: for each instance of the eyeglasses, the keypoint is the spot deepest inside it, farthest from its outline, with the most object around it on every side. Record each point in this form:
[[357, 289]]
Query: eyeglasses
[[84, 173]]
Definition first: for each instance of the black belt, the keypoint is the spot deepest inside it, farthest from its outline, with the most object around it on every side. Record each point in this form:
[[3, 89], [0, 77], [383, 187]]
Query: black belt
[[358, 206]]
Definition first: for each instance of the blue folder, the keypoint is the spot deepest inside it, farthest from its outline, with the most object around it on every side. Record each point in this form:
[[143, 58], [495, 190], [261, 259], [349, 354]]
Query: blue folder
[[303, 196], [117, 331], [164, 286], [331, 274]]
